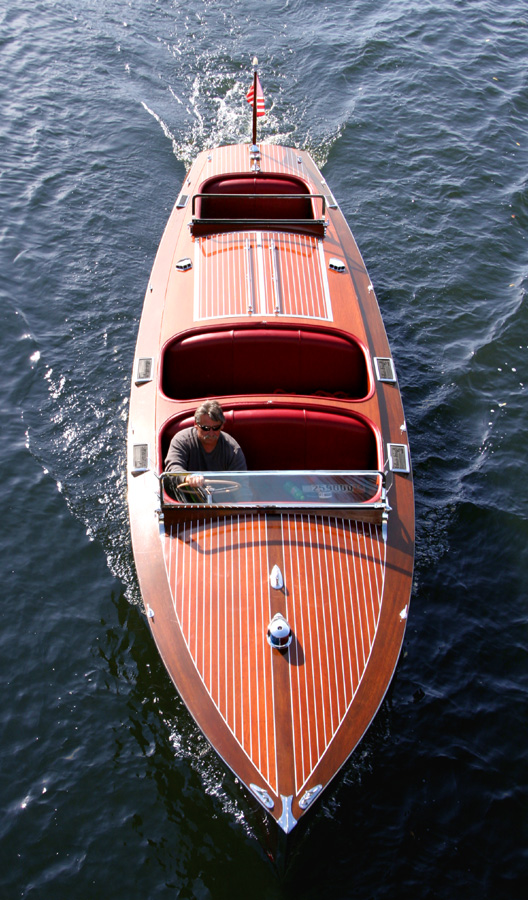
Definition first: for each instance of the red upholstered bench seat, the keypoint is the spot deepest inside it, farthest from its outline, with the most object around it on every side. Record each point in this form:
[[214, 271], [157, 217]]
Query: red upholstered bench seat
[[282, 437], [262, 360], [245, 205], [256, 200]]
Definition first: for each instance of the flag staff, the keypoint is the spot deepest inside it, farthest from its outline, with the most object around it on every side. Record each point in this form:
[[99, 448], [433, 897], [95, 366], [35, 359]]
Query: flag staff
[[255, 64]]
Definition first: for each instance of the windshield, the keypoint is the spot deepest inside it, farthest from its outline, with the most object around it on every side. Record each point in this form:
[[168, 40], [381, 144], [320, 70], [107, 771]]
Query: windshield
[[284, 489]]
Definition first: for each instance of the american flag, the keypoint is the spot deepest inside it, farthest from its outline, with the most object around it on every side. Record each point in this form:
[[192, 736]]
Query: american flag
[[260, 98]]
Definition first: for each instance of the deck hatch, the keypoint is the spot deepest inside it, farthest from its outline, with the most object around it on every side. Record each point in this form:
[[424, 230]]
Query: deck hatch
[[287, 273], [384, 369]]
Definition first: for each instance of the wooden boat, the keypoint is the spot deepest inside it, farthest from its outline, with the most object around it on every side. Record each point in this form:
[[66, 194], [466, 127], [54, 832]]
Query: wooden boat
[[279, 609]]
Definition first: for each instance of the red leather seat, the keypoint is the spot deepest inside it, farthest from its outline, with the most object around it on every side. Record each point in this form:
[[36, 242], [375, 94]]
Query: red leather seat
[[282, 437], [265, 361]]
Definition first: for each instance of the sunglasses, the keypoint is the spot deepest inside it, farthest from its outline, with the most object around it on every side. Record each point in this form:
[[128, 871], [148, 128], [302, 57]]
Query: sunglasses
[[209, 427]]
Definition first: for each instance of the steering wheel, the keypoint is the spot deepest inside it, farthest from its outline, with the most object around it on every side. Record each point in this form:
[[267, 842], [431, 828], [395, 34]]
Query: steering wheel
[[216, 486]]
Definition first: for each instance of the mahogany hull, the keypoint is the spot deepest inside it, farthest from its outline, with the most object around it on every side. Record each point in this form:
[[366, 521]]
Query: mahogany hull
[[284, 722]]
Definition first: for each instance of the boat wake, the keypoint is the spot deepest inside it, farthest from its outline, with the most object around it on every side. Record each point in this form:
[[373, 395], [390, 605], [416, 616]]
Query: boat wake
[[212, 112], [189, 743], [78, 438]]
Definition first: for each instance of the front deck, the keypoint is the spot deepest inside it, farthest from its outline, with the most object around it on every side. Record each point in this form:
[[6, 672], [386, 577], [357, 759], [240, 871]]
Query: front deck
[[284, 711]]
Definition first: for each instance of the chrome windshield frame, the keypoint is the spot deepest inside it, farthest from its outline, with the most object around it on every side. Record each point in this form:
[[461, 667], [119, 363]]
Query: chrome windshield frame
[[377, 502]]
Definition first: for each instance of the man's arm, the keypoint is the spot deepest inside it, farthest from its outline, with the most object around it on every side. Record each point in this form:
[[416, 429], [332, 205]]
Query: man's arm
[[177, 459]]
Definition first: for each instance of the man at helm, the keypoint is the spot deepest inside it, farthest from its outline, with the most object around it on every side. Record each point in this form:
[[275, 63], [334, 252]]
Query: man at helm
[[204, 447]]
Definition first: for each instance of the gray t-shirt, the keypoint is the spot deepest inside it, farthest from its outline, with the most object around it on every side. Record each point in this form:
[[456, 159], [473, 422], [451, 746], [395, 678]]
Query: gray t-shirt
[[186, 454]]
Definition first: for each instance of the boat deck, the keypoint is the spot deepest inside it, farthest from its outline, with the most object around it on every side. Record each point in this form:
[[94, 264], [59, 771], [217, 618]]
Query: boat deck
[[260, 273], [259, 297], [219, 576]]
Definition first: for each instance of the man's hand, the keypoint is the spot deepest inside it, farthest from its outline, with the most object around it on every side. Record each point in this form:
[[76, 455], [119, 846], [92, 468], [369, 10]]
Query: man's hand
[[195, 480]]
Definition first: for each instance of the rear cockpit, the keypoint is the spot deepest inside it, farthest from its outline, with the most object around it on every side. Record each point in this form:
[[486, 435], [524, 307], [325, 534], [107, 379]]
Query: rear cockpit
[[241, 202]]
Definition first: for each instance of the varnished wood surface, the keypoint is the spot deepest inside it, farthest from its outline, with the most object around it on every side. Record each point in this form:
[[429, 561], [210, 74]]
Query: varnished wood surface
[[285, 722], [219, 576], [260, 273]]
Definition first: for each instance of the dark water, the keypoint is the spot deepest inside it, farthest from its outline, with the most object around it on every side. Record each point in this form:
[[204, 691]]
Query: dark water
[[417, 111]]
